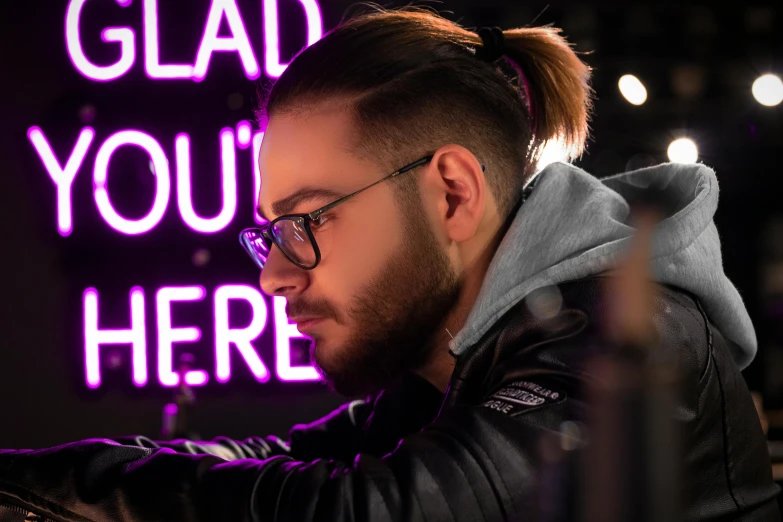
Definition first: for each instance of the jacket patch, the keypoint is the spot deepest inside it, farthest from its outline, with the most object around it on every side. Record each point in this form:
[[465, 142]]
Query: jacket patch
[[521, 396]]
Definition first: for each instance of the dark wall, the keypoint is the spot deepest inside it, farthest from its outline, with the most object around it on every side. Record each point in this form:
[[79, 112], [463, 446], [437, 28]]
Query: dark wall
[[43, 399]]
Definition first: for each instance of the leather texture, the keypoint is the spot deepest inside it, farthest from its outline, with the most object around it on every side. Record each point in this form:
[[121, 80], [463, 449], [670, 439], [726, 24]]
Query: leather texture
[[413, 454]]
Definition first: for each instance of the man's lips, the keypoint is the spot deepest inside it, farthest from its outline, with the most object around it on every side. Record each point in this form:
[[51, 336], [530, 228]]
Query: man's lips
[[304, 322]]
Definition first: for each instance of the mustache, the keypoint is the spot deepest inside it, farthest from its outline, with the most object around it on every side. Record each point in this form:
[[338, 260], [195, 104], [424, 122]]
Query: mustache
[[315, 307]]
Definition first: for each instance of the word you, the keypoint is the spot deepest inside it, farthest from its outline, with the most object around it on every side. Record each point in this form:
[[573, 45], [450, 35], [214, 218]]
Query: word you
[[225, 336], [219, 10], [64, 173]]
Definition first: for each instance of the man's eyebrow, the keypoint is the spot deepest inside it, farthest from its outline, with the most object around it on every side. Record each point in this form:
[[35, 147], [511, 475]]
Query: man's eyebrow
[[289, 203]]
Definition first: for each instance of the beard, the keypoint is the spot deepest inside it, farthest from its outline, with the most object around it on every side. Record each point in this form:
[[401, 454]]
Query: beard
[[397, 315]]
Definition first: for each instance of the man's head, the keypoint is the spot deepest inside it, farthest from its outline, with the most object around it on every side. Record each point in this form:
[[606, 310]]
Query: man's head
[[375, 94]]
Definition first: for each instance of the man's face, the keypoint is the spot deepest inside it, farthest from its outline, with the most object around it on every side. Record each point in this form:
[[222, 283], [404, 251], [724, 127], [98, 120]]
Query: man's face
[[384, 284]]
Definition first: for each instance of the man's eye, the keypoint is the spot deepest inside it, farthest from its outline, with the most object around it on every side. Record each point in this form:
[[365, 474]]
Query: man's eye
[[319, 221]]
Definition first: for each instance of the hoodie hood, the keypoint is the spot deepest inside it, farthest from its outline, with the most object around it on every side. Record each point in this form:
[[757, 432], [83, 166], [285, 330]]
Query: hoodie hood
[[574, 225]]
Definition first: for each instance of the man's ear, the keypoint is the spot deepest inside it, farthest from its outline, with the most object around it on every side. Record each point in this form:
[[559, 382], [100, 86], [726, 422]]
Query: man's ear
[[456, 183]]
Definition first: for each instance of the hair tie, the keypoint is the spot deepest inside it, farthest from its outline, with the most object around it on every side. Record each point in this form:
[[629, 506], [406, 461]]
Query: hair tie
[[493, 44], [494, 47]]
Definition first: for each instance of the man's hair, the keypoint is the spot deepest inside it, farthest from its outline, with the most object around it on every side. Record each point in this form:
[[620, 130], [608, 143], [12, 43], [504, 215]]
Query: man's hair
[[412, 83]]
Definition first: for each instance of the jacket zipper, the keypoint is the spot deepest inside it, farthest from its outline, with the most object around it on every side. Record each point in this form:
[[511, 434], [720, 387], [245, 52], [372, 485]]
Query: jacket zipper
[[29, 515]]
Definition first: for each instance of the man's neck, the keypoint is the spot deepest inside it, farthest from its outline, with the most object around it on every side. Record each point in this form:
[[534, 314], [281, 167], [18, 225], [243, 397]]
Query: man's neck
[[439, 369]]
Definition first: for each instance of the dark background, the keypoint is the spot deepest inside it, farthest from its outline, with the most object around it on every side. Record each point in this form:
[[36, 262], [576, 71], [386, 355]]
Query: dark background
[[698, 62]]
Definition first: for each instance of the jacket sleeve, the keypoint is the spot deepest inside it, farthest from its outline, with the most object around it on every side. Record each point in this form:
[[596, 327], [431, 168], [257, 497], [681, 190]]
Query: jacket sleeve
[[337, 435], [223, 447], [468, 465]]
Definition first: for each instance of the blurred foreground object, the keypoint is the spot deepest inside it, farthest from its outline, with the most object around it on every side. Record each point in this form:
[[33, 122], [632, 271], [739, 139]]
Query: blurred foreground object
[[758, 401], [630, 465]]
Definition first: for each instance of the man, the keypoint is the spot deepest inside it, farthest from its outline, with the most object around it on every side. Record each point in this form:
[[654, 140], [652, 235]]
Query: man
[[436, 274]]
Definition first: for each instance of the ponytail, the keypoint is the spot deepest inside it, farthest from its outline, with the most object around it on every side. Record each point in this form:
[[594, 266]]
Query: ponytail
[[560, 97]]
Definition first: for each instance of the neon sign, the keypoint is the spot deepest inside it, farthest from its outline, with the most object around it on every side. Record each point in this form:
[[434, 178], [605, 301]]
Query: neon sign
[[226, 336], [211, 43], [63, 178], [100, 179], [229, 185], [175, 179]]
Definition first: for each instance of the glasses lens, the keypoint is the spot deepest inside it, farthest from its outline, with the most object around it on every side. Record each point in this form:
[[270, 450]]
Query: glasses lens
[[292, 238], [256, 245]]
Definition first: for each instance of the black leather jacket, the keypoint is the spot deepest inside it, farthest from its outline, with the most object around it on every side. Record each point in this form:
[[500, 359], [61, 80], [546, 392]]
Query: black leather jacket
[[414, 455]]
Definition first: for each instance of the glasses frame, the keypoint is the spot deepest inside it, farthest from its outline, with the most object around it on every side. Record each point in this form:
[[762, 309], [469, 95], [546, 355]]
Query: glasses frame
[[304, 220]]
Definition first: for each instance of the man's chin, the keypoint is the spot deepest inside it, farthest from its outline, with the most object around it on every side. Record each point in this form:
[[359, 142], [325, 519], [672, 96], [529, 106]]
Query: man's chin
[[325, 352], [324, 358], [341, 371]]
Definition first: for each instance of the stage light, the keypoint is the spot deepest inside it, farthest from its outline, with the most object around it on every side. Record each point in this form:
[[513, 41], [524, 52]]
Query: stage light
[[683, 150], [768, 90], [554, 151], [632, 89]]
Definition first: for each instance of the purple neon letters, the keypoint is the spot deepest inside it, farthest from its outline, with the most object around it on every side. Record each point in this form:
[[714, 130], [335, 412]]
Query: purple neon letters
[[63, 178], [173, 162], [226, 337], [63, 173], [219, 10]]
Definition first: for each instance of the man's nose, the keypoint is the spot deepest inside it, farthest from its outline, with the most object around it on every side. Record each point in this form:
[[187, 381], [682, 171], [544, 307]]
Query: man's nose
[[280, 276]]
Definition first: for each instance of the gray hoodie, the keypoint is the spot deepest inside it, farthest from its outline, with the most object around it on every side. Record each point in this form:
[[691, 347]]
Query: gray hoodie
[[574, 225]]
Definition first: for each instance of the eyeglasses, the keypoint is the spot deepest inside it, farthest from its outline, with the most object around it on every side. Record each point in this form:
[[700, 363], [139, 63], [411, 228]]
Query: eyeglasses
[[293, 234]]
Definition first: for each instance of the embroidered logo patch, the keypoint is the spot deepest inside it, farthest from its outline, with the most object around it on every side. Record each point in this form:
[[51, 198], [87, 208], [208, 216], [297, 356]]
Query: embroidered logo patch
[[522, 396]]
